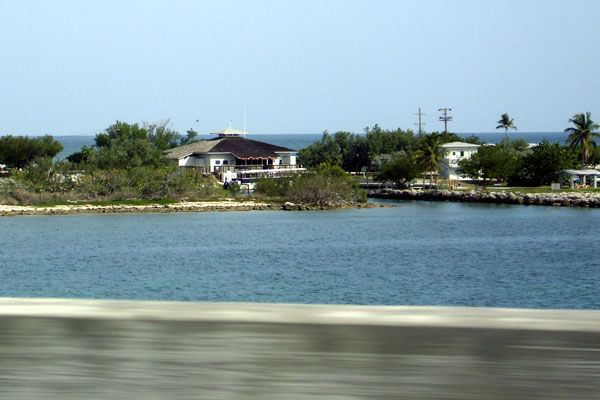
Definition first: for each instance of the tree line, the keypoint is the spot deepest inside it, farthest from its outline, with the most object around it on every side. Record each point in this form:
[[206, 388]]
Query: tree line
[[401, 156], [397, 155], [125, 146], [127, 161]]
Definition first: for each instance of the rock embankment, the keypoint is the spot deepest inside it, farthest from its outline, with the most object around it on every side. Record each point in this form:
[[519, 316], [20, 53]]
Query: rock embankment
[[562, 199], [10, 210], [288, 206], [199, 206]]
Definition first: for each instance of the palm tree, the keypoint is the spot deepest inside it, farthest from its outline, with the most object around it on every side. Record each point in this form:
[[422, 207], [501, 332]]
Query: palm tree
[[431, 154], [507, 123], [582, 136]]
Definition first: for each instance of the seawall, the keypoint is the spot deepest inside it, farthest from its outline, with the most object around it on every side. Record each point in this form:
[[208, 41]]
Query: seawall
[[563, 199], [87, 349]]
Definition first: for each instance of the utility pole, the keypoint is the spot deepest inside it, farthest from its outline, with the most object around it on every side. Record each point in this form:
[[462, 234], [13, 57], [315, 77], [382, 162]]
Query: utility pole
[[445, 117], [420, 123]]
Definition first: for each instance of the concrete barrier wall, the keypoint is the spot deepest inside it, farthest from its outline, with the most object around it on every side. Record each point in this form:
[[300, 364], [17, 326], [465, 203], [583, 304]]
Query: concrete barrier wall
[[80, 349]]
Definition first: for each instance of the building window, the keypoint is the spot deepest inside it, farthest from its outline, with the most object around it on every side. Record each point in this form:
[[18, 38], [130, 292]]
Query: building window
[[218, 162], [453, 153], [462, 153], [225, 162]]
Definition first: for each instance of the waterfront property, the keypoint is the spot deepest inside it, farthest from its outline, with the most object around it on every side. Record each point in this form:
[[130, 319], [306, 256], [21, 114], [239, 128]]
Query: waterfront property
[[230, 156], [453, 153]]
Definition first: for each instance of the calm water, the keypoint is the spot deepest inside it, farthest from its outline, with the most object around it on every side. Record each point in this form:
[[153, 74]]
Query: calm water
[[299, 141], [417, 253]]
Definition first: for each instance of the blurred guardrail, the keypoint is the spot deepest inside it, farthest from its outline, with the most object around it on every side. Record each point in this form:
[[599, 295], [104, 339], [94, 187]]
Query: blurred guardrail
[[86, 349]]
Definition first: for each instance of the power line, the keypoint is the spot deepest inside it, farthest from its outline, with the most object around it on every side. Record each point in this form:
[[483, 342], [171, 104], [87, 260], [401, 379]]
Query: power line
[[420, 123], [445, 117]]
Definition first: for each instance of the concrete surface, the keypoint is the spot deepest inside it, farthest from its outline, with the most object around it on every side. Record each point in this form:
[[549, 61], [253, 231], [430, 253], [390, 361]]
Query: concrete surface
[[87, 349]]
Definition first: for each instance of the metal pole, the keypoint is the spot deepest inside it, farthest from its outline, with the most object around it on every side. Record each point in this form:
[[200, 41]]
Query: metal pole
[[445, 118], [420, 123]]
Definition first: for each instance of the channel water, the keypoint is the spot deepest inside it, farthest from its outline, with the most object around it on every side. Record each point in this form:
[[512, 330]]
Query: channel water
[[410, 253]]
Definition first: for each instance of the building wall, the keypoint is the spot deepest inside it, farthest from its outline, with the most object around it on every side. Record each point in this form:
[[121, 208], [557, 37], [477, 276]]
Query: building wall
[[288, 159], [219, 160], [451, 158]]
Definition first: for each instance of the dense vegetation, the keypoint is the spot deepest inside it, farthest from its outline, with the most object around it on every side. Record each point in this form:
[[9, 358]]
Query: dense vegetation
[[324, 185], [128, 146], [394, 155], [400, 156], [19, 151], [517, 165], [53, 184], [355, 152], [126, 163]]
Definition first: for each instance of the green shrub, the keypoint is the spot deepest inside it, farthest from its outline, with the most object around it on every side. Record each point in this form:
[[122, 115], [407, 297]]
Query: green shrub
[[44, 175], [325, 186], [273, 187]]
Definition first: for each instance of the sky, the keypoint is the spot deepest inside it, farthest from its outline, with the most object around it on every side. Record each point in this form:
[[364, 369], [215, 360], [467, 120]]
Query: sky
[[75, 67]]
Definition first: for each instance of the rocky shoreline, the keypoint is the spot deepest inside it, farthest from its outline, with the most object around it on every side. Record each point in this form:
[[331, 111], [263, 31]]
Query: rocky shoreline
[[560, 199], [201, 206], [204, 206]]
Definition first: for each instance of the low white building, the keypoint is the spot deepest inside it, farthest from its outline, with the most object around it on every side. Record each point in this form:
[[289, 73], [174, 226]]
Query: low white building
[[453, 153]]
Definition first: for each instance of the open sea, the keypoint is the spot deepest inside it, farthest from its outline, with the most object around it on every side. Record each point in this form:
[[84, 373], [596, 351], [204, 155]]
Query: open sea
[[413, 253], [74, 143]]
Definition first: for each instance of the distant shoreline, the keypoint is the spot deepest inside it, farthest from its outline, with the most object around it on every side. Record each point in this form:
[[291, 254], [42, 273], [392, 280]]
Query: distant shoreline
[[562, 199], [559, 199]]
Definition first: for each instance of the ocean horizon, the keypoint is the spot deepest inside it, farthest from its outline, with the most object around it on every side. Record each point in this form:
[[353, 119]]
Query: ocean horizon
[[298, 141]]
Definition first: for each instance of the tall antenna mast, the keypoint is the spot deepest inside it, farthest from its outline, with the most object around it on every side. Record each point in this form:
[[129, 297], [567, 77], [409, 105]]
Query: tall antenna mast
[[420, 123], [445, 117], [244, 118]]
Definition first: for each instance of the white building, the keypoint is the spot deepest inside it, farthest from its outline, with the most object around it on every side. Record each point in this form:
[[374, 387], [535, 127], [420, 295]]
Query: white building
[[453, 153], [230, 156]]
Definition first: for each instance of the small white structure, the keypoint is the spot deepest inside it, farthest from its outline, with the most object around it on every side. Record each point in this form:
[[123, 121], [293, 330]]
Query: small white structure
[[584, 176], [453, 153]]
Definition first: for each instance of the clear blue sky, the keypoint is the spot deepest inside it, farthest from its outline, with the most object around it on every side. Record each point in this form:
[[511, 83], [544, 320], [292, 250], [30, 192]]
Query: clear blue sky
[[74, 67]]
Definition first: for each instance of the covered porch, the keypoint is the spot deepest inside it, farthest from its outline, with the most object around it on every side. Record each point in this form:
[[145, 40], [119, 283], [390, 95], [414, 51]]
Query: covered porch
[[579, 178], [255, 162]]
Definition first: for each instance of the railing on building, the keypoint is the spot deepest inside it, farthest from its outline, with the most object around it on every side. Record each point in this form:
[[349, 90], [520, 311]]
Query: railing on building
[[219, 169]]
